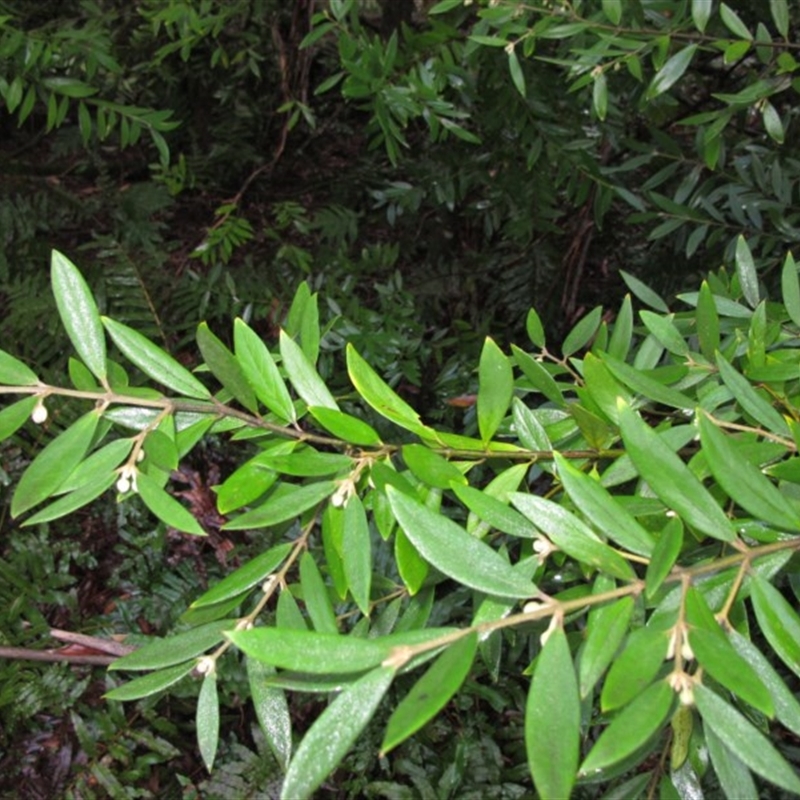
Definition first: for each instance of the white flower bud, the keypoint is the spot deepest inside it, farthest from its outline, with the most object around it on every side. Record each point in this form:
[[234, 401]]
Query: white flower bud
[[206, 665], [123, 484], [39, 414]]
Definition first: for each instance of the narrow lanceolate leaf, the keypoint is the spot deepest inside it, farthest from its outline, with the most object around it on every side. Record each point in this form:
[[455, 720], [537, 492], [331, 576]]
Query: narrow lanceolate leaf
[[225, 367], [53, 465], [553, 720], [747, 397], [14, 373], [351, 429], [541, 380], [583, 332], [261, 372], [357, 553], [13, 417], [154, 362], [780, 15], [272, 710], [571, 535], [606, 629], [449, 548], [670, 478], [245, 577], [494, 512], [646, 386], [79, 314], [431, 692], [150, 684], [631, 728], [430, 467], [378, 394], [316, 596], [672, 71], [790, 286], [207, 720], [778, 621], [743, 482], [701, 13], [599, 506], [175, 649], [746, 271], [665, 554], [166, 507], [635, 668], [495, 389], [286, 506], [744, 740], [707, 320], [73, 501], [734, 777], [327, 741], [303, 375]]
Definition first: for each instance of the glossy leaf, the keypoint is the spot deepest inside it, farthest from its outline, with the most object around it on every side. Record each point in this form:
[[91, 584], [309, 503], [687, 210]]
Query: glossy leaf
[[431, 692], [707, 321], [303, 375], [72, 501], [701, 13], [631, 728], [207, 720], [154, 362], [14, 373], [280, 508], [644, 293], [247, 576], [746, 270], [175, 649], [790, 286], [166, 507], [272, 710], [583, 332], [599, 506], [316, 596], [495, 389], [780, 16], [744, 740], [261, 372], [647, 386], [734, 777], [306, 462], [635, 667], [13, 417], [671, 479], [747, 397], [430, 467], [743, 482], [377, 393], [733, 22], [98, 465], [606, 628], [494, 512], [515, 69], [531, 432], [535, 329], [413, 568], [671, 72], [664, 330], [330, 737], [552, 720], [539, 377], [53, 465], [665, 554], [449, 548], [779, 622], [357, 553], [351, 429], [225, 367], [151, 684], [79, 314], [571, 535]]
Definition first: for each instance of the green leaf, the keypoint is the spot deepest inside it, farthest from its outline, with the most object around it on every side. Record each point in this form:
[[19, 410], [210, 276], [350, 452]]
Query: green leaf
[[280, 508], [750, 400], [571, 535], [207, 720], [648, 387], [772, 122], [666, 552], [351, 429], [665, 332], [622, 331], [151, 684], [517, 75], [413, 568], [780, 16], [644, 292], [494, 512], [261, 372], [707, 321], [701, 13], [225, 367], [613, 10], [495, 389], [634, 668], [606, 628], [734, 777], [13, 417], [430, 467], [380, 396], [73, 501], [746, 270], [357, 553], [166, 507], [79, 314], [631, 728], [553, 720], [790, 286], [272, 710], [671, 479], [535, 329], [331, 736], [531, 432], [316, 596], [600, 95], [247, 576], [599, 506], [303, 375], [744, 740], [583, 332], [48, 471], [14, 373], [307, 463], [175, 649], [154, 362], [778, 621], [742, 481], [671, 72], [98, 466], [541, 379], [733, 22], [431, 693], [449, 548]]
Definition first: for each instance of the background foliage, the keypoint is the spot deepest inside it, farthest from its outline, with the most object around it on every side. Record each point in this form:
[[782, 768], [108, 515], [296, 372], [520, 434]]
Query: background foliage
[[433, 171]]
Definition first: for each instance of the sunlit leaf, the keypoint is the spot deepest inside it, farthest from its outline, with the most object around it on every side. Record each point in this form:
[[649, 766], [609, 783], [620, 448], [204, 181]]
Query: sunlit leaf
[[272, 710], [701, 13], [495, 389], [14, 373], [303, 375], [351, 429], [207, 720], [166, 507], [583, 332], [672, 71]]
